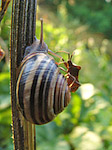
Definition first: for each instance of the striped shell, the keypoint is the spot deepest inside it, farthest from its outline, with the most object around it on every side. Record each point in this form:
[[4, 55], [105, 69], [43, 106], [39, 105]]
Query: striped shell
[[42, 91]]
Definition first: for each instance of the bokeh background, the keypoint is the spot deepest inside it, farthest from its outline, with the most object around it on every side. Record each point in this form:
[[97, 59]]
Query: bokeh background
[[83, 26]]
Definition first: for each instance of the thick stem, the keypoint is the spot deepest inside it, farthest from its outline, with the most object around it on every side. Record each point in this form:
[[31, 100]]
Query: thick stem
[[22, 33]]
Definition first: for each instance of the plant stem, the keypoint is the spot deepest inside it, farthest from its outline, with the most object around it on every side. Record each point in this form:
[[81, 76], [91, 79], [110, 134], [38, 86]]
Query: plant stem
[[23, 26]]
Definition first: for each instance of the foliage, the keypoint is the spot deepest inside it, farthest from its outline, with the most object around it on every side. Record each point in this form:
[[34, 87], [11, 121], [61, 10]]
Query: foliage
[[86, 124], [97, 16], [5, 112]]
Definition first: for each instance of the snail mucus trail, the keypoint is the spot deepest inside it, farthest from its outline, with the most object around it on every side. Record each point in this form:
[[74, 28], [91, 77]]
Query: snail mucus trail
[[42, 91]]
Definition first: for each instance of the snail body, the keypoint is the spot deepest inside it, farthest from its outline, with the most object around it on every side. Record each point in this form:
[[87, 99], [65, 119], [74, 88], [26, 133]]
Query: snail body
[[42, 91]]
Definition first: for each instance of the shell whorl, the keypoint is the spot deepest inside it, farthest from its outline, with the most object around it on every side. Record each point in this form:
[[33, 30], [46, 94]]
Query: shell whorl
[[42, 91]]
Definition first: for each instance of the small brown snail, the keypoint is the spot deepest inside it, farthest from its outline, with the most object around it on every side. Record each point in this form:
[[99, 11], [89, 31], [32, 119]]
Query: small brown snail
[[2, 54], [42, 91]]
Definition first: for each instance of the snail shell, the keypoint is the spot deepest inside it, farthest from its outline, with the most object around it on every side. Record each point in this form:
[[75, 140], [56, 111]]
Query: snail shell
[[42, 91]]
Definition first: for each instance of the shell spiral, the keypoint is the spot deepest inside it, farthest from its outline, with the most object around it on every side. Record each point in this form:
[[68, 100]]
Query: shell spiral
[[42, 91]]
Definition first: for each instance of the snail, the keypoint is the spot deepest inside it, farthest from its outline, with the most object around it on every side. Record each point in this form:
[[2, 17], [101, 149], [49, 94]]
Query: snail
[[42, 91], [2, 54]]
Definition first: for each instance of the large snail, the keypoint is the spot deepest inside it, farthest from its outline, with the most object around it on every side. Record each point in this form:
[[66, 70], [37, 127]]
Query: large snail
[[42, 91]]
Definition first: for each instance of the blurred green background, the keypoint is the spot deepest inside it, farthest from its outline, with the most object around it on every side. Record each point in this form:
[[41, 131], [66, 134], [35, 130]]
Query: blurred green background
[[83, 26]]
